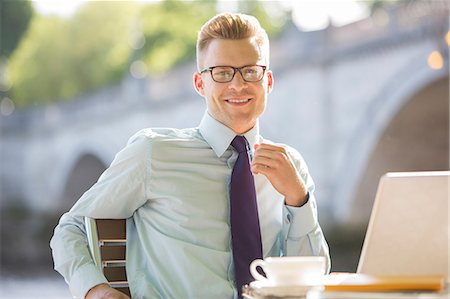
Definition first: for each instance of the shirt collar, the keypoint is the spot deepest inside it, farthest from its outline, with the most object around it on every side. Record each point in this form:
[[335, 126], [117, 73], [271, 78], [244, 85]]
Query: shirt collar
[[219, 136]]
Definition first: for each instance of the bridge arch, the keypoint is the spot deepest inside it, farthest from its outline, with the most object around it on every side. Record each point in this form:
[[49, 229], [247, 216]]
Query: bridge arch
[[416, 139], [84, 174], [406, 85], [84, 164]]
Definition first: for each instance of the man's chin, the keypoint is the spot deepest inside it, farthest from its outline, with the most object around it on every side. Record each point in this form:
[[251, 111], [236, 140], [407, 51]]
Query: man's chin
[[240, 124]]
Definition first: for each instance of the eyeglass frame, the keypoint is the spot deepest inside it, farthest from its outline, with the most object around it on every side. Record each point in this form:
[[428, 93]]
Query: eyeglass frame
[[236, 69]]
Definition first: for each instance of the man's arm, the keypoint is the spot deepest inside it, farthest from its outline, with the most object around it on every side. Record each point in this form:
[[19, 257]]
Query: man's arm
[[72, 258], [277, 165], [288, 174], [104, 291], [73, 261], [302, 234], [120, 190]]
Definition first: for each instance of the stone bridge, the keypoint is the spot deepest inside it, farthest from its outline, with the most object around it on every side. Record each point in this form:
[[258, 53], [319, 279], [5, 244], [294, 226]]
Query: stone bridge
[[356, 101]]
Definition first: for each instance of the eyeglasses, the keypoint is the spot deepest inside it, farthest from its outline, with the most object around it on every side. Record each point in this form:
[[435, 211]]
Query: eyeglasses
[[224, 74]]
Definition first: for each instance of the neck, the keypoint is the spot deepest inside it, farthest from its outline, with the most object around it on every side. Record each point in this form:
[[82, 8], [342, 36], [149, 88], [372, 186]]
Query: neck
[[241, 130]]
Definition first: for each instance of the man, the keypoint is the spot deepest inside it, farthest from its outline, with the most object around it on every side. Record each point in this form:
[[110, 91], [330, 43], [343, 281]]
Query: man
[[178, 187]]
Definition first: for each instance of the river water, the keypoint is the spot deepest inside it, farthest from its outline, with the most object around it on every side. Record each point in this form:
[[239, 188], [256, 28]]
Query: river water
[[38, 287]]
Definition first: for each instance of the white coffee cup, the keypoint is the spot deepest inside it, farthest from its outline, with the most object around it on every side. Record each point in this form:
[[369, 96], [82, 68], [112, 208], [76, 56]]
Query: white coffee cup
[[290, 270]]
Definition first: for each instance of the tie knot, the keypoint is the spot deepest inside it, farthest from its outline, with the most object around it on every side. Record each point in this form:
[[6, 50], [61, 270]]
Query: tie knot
[[239, 143]]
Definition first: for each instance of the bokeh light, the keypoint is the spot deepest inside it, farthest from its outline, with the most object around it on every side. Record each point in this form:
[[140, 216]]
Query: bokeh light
[[7, 106], [435, 60], [138, 69]]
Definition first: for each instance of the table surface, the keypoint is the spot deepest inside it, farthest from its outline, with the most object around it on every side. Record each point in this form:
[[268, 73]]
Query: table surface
[[251, 292]]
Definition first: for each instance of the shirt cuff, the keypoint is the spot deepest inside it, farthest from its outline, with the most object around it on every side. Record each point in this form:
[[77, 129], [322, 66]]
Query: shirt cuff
[[302, 219], [84, 279]]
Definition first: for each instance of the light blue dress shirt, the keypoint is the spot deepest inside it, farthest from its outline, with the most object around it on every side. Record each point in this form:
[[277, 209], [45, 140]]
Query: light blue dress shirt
[[173, 186]]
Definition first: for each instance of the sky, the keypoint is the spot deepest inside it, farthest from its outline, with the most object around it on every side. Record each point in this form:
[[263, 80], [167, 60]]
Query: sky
[[315, 14], [309, 15]]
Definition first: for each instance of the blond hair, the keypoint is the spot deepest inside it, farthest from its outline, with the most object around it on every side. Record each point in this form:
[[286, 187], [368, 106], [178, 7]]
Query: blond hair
[[232, 26]]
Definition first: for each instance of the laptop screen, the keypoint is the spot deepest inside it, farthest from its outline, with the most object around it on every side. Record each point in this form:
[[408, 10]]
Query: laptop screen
[[408, 232]]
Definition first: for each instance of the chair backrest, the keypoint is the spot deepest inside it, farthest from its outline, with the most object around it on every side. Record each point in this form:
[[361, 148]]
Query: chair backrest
[[107, 243]]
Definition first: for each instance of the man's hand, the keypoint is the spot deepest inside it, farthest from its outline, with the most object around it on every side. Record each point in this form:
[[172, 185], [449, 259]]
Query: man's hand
[[274, 162], [104, 291]]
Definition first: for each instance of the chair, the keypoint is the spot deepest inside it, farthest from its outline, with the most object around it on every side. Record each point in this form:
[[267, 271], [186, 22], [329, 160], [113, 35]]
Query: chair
[[107, 243]]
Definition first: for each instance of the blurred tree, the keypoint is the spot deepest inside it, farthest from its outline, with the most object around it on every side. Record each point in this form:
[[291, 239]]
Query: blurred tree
[[170, 29], [63, 58], [377, 4], [15, 17], [272, 15]]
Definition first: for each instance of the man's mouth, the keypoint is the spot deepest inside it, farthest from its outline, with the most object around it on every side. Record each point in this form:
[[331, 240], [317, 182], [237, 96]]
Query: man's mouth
[[237, 101]]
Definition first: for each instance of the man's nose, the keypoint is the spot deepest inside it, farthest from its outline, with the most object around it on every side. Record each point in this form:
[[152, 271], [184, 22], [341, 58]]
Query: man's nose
[[238, 81]]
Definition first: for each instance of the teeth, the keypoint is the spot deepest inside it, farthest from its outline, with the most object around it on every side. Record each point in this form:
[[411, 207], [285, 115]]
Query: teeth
[[238, 101]]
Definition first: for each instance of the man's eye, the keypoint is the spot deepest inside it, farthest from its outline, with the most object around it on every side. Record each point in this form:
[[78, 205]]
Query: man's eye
[[223, 74]]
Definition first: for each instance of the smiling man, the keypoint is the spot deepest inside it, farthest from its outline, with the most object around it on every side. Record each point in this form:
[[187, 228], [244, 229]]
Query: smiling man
[[201, 203]]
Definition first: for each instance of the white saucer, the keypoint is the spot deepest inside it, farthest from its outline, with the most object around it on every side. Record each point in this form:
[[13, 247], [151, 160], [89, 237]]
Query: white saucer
[[262, 288]]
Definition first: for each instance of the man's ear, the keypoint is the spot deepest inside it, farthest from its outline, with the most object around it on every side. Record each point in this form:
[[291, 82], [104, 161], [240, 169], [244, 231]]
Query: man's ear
[[198, 84], [269, 81]]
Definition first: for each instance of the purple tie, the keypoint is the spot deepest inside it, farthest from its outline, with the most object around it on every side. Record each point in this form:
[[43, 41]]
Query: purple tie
[[245, 232]]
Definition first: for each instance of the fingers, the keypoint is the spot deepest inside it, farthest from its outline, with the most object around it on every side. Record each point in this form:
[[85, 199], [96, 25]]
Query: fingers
[[265, 161], [271, 147], [105, 291], [270, 156], [261, 169], [269, 159], [274, 162], [270, 151]]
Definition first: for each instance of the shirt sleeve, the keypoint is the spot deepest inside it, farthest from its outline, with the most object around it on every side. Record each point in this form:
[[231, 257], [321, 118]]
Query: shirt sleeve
[[120, 190], [302, 233], [72, 257]]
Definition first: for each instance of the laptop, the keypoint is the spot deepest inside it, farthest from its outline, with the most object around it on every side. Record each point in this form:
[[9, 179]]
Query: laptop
[[409, 228]]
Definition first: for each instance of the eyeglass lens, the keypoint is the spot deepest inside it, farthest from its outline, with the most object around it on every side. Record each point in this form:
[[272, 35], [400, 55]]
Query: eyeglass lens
[[226, 73]]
